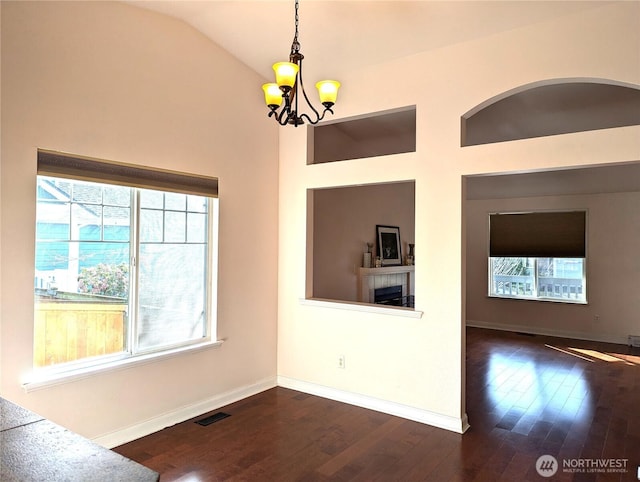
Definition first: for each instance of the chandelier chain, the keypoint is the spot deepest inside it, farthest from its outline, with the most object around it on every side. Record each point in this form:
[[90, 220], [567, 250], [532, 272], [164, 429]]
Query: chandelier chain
[[295, 45]]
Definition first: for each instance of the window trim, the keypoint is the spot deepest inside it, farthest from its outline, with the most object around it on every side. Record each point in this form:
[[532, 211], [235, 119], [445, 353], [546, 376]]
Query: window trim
[[50, 376]]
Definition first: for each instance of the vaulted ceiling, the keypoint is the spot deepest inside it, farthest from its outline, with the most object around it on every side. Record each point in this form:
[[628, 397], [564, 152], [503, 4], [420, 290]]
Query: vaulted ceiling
[[340, 35]]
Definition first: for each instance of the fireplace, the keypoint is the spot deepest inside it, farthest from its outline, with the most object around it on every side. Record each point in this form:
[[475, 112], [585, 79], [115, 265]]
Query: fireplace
[[389, 295], [374, 282], [392, 296]]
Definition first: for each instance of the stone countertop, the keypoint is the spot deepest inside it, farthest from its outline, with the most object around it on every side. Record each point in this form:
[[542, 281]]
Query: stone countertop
[[35, 449], [12, 415]]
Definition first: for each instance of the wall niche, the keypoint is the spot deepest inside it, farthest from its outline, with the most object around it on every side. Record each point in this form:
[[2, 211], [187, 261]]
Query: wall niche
[[341, 221], [379, 134], [552, 107]]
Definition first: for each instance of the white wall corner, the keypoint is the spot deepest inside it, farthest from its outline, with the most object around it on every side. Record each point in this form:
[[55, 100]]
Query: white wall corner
[[458, 425], [133, 432]]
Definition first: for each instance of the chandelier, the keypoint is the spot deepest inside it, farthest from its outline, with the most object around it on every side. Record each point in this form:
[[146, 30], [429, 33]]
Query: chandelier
[[289, 83]]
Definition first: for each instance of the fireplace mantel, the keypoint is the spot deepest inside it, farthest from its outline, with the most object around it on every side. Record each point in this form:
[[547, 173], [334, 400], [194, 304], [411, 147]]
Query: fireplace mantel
[[371, 278]]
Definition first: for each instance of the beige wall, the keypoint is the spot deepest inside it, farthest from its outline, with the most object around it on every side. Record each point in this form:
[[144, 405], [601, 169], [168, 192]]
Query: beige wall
[[344, 221], [112, 81], [418, 363], [0, 203], [613, 268]]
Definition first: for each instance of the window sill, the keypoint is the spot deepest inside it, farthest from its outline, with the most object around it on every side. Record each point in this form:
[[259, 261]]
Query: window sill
[[362, 307], [44, 378], [548, 300]]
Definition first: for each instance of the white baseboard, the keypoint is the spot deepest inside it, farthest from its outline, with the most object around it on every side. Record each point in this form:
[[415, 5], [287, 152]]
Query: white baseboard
[[534, 330], [181, 414], [458, 425]]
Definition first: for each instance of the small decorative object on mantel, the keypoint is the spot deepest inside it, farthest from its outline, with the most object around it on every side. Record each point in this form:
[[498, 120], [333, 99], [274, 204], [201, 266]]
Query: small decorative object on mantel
[[366, 257], [388, 238], [410, 258]]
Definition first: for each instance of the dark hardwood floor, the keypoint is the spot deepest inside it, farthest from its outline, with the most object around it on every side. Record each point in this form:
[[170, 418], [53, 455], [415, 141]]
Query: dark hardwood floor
[[527, 396]]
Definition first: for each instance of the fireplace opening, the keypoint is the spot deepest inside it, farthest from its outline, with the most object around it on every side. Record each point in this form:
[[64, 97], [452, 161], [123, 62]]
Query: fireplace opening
[[392, 296]]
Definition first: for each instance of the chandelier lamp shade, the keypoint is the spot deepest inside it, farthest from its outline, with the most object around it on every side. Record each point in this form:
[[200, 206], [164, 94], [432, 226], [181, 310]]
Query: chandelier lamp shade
[[282, 96]]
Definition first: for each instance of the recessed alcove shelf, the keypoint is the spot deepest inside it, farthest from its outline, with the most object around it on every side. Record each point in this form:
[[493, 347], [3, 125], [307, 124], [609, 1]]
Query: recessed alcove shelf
[[552, 107], [373, 135]]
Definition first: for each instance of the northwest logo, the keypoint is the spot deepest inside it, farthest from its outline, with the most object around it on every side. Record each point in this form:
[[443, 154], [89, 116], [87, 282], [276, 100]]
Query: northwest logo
[[546, 465]]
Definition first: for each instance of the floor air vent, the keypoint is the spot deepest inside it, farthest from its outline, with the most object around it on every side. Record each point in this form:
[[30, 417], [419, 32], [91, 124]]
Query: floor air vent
[[212, 418]]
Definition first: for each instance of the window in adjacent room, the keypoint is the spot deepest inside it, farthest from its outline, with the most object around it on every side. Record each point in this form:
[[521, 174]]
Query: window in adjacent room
[[538, 255], [125, 261]]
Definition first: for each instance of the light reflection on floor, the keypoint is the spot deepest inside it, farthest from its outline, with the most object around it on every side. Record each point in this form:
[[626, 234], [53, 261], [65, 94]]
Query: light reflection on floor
[[608, 356], [533, 387], [192, 477]]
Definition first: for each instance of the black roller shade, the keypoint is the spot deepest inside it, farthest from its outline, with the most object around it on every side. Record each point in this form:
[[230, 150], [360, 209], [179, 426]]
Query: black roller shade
[[538, 235]]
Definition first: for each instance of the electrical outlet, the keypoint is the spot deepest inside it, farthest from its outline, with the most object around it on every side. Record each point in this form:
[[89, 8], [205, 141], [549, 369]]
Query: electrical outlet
[[341, 363]]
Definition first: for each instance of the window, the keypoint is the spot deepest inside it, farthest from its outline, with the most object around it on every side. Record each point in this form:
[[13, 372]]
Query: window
[[538, 278], [120, 270], [538, 256]]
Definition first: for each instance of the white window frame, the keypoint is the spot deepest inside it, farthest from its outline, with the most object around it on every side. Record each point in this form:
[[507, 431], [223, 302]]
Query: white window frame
[[41, 377]]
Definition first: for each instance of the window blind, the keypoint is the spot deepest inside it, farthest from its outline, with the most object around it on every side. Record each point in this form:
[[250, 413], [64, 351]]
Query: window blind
[[57, 164], [538, 234]]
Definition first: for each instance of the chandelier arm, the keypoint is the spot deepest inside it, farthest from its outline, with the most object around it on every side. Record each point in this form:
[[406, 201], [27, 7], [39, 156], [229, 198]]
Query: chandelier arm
[[318, 117], [281, 121], [280, 117], [307, 98], [295, 99], [312, 122], [286, 109]]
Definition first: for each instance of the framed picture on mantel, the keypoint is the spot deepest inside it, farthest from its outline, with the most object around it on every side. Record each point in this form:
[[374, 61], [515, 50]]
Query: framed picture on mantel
[[388, 238]]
